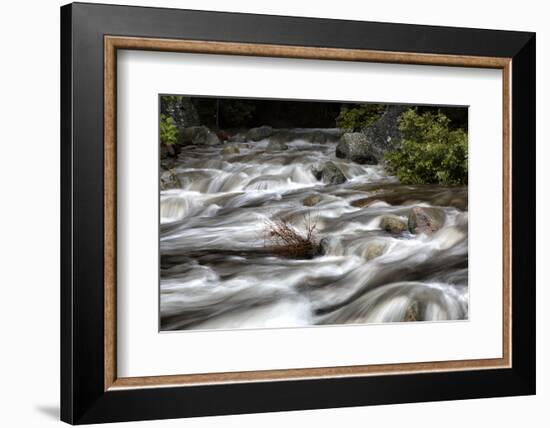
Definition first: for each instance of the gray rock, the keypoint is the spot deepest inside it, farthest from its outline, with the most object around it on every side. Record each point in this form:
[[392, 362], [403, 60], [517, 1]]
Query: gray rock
[[325, 137], [276, 145], [312, 200], [167, 163], [282, 136], [260, 133], [370, 145], [197, 136], [231, 150], [318, 136], [167, 151], [330, 174], [169, 180], [182, 111], [425, 220], [375, 249], [365, 202], [384, 134], [356, 147], [393, 224], [240, 137]]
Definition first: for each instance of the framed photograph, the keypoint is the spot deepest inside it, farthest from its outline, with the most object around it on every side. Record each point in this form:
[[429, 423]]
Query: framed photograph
[[266, 213]]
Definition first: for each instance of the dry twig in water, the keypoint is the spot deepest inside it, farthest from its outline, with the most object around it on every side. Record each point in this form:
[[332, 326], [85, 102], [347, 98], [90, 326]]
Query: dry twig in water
[[286, 240]]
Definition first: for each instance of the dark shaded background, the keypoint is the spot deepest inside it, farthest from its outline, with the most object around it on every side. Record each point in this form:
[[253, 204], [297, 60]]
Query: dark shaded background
[[226, 113]]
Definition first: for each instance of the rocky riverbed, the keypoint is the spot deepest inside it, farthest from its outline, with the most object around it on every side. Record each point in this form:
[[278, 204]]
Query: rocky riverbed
[[384, 252]]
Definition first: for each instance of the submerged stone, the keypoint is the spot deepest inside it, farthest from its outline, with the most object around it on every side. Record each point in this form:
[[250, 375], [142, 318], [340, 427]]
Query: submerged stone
[[231, 150], [197, 136], [276, 145], [393, 224], [311, 200], [169, 180], [330, 174], [366, 202], [260, 133], [375, 249]]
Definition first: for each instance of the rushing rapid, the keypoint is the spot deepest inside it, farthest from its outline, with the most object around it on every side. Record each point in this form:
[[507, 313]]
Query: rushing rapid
[[217, 272]]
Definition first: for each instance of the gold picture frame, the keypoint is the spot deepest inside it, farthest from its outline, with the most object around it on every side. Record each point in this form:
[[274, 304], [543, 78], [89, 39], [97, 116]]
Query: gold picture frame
[[114, 43]]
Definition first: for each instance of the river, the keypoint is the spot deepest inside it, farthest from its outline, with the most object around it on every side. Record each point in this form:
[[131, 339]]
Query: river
[[217, 272]]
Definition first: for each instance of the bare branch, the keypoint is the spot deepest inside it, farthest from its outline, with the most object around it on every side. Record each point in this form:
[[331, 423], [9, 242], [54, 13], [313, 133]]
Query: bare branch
[[285, 240]]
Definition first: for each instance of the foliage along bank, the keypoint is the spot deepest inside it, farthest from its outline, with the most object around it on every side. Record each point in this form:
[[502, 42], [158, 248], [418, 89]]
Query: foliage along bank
[[419, 145]]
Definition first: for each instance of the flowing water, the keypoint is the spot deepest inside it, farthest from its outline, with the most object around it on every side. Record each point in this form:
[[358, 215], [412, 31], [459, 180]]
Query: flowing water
[[218, 273]]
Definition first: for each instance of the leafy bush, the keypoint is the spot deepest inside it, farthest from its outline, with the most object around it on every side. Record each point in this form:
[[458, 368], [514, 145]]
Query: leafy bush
[[170, 100], [168, 130], [431, 152], [357, 118]]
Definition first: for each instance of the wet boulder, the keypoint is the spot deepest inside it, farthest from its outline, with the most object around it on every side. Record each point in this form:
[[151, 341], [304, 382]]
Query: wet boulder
[[318, 136], [167, 163], [330, 174], [375, 249], [384, 135], [366, 202], [393, 224], [197, 136], [169, 180], [276, 144], [260, 133], [312, 200], [282, 135], [371, 145], [231, 150], [426, 220], [356, 147]]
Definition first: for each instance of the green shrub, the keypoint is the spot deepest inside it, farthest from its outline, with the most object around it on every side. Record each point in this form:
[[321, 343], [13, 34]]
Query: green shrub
[[168, 130], [359, 117], [170, 100], [431, 152]]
